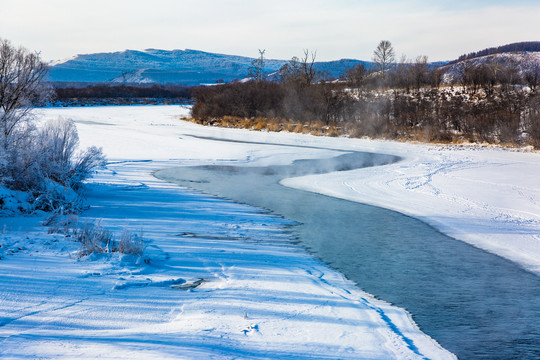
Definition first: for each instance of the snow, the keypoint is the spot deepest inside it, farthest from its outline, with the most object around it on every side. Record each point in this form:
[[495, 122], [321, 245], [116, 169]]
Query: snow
[[259, 297], [13, 202], [487, 197], [221, 279], [523, 61]]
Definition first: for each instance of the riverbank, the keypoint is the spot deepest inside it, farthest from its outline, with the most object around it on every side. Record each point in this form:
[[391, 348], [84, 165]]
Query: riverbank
[[486, 196], [219, 279], [459, 186], [446, 284]]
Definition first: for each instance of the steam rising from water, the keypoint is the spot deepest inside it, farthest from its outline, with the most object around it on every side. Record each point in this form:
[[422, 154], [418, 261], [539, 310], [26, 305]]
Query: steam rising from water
[[345, 162]]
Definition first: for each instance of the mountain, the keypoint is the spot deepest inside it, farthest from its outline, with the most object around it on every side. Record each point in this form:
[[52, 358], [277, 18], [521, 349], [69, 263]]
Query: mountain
[[188, 67]]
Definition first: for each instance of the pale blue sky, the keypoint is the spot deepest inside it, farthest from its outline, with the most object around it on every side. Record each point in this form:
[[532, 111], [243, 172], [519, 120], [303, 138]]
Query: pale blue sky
[[337, 29]]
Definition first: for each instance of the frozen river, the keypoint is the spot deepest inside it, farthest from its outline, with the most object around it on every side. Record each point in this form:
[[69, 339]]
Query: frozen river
[[475, 304]]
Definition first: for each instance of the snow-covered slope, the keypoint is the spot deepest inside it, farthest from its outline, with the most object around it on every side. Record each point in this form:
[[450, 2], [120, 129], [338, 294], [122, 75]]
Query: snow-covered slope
[[521, 61], [190, 67]]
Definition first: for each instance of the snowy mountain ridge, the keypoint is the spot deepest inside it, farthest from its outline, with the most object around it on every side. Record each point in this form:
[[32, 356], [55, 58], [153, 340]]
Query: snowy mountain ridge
[[195, 67], [188, 67]]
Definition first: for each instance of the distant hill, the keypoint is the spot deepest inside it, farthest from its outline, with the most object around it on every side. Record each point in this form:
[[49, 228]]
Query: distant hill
[[187, 67], [195, 67], [519, 47], [523, 57]]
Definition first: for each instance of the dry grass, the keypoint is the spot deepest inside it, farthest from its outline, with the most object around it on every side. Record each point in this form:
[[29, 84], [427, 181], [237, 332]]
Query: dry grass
[[130, 243], [319, 128], [93, 237], [274, 126]]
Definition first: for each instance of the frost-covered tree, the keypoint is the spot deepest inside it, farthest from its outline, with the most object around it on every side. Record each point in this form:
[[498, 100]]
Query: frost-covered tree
[[22, 83], [60, 159], [40, 160], [50, 166]]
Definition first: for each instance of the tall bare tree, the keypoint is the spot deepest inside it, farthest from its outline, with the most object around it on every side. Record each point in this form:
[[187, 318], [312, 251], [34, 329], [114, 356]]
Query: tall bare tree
[[21, 84], [383, 57], [307, 66]]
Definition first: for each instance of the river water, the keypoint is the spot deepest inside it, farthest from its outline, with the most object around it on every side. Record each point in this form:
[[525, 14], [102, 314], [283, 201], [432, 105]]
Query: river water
[[475, 304]]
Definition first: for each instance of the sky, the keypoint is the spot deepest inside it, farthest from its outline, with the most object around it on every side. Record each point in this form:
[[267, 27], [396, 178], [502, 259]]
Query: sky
[[442, 30]]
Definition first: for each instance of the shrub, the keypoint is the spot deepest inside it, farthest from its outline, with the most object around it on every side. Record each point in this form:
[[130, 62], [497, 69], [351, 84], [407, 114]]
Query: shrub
[[481, 111], [59, 223], [94, 239], [48, 165], [130, 243]]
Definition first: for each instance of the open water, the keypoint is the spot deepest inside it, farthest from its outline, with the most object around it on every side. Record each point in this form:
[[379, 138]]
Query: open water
[[475, 304]]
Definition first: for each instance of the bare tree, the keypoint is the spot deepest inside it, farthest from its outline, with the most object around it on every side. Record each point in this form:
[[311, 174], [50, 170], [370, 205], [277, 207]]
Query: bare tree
[[356, 76], [41, 162], [383, 57], [532, 75], [436, 77], [401, 75], [21, 84], [300, 72], [420, 69], [289, 72], [256, 70], [307, 63]]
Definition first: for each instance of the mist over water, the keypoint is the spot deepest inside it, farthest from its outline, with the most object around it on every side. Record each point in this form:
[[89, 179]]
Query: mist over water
[[475, 304]]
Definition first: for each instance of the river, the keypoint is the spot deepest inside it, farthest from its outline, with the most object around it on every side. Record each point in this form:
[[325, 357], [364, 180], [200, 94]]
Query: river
[[475, 304]]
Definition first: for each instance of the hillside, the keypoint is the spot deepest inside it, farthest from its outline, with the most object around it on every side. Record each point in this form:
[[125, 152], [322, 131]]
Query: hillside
[[520, 62], [191, 67], [188, 67], [519, 47], [521, 59]]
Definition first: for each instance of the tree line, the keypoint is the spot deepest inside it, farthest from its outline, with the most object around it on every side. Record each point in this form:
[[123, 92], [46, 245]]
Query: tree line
[[121, 94], [407, 99]]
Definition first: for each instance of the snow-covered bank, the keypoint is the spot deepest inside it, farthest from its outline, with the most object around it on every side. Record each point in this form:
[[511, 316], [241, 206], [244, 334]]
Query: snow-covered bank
[[254, 296], [488, 197], [221, 279]]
